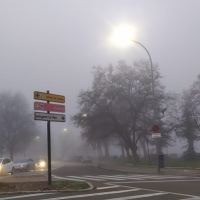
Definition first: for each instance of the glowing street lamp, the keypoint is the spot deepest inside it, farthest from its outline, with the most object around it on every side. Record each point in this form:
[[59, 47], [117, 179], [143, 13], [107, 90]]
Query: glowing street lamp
[[123, 37]]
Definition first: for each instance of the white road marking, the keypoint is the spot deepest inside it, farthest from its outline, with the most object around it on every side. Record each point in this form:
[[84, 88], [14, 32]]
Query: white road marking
[[174, 193], [139, 196], [160, 181], [126, 177], [193, 198], [102, 188], [94, 194], [153, 177], [109, 178], [78, 177], [23, 196]]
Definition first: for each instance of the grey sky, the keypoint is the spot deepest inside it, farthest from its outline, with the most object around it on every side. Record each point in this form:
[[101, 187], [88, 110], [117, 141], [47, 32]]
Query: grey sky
[[53, 44]]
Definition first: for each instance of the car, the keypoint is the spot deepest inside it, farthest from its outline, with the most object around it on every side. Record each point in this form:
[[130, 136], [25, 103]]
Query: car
[[6, 166], [77, 158], [41, 163], [24, 164], [87, 159]]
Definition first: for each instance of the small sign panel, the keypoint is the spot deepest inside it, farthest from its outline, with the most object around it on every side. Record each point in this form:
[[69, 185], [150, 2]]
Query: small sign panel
[[49, 117], [156, 135], [49, 97], [155, 128], [49, 107]]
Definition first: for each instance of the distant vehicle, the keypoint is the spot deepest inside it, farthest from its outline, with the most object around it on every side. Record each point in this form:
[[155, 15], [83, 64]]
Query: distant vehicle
[[68, 159], [6, 166], [41, 163], [24, 164], [73, 159], [87, 159], [77, 158]]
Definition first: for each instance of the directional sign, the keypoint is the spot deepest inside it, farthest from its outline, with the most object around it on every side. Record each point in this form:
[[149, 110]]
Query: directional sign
[[49, 97], [49, 117], [49, 107]]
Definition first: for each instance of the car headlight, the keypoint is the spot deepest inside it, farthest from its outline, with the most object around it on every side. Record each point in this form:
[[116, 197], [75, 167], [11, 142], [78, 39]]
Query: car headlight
[[42, 164]]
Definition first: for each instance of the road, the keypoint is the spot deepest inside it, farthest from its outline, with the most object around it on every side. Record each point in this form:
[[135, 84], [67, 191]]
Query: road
[[111, 185]]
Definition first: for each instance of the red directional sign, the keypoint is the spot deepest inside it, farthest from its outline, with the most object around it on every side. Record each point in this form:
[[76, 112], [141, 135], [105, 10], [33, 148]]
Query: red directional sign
[[49, 107]]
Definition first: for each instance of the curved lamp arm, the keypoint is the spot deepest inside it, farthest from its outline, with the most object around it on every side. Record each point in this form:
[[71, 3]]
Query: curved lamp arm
[[152, 78]]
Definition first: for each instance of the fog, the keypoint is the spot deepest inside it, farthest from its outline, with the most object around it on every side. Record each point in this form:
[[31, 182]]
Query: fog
[[53, 45]]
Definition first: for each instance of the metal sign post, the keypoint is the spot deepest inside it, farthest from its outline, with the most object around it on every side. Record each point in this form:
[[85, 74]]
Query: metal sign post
[[42, 116], [49, 147], [156, 135]]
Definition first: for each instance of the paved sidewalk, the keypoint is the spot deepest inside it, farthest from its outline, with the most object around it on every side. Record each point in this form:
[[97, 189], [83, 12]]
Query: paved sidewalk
[[148, 170]]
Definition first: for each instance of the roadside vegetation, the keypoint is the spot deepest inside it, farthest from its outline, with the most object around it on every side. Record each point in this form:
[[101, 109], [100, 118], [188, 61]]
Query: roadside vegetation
[[179, 163], [118, 109], [42, 186]]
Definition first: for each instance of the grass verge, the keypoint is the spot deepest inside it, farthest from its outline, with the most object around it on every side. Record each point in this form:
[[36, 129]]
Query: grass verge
[[42, 186]]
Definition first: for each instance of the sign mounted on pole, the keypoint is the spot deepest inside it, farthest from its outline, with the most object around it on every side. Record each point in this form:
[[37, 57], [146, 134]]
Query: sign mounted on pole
[[49, 107], [49, 117], [49, 97], [156, 135], [155, 129]]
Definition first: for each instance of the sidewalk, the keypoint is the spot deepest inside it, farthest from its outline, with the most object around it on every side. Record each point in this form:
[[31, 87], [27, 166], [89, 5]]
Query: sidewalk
[[148, 170]]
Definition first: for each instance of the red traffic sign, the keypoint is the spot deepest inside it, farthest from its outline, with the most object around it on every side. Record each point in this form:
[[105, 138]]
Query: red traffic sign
[[155, 128], [49, 107]]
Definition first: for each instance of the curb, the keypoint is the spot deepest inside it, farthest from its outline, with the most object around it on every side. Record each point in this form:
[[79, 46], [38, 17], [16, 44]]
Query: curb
[[115, 170], [124, 171]]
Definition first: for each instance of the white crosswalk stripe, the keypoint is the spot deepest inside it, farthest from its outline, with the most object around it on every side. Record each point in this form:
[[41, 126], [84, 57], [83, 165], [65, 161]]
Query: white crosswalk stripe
[[136, 177], [111, 193]]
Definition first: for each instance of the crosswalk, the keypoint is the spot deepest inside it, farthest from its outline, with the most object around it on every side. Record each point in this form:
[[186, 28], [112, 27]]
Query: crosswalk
[[113, 189], [114, 194], [131, 177]]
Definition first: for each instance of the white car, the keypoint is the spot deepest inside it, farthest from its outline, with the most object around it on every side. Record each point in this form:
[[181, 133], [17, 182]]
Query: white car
[[6, 166]]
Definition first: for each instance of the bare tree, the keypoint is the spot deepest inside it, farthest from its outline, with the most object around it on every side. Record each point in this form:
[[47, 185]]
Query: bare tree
[[16, 122], [119, 102]]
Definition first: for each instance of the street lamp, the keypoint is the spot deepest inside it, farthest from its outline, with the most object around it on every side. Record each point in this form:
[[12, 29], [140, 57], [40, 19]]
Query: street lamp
[[123, 36], [153, 96], [65, 130]]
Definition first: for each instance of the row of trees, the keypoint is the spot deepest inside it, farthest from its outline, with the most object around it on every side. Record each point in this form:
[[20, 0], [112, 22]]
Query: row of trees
[[17, 127], [118, 109]]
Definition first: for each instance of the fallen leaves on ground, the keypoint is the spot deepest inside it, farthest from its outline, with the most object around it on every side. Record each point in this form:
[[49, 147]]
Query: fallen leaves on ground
[[42, 186]]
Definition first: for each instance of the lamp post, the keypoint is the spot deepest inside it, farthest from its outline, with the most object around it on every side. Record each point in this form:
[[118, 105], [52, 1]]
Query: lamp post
[[153, 96], [72, 138]]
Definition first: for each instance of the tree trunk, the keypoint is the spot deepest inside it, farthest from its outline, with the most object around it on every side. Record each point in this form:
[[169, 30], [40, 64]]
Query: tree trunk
[[144, 148], [128, 154], [134, 154], [148, 152], [106, 147], [122, 149], [100, 151]]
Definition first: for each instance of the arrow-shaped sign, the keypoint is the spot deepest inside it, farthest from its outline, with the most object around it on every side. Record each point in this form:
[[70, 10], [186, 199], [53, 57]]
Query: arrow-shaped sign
[[49, 117], [49, 97]]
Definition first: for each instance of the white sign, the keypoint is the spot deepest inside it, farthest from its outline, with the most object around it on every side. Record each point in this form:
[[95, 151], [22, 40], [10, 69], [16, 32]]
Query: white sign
[[49, 117], [156, 135]]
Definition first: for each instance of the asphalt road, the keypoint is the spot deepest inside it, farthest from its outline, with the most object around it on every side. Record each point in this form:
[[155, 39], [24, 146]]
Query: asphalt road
[[111, 185]]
